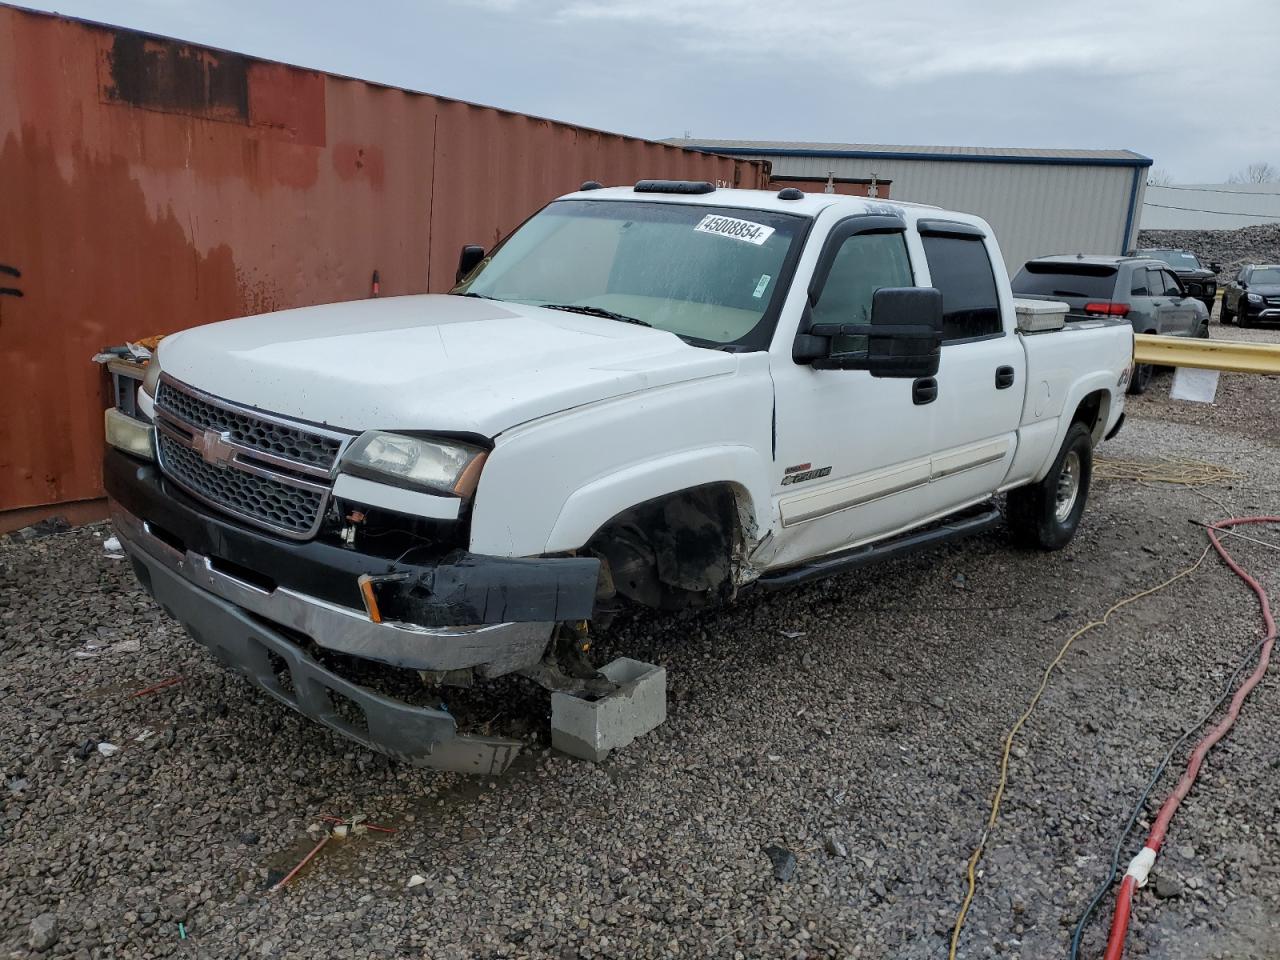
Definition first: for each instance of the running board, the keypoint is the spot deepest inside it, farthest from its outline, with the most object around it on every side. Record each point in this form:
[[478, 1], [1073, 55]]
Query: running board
[[961, 525]]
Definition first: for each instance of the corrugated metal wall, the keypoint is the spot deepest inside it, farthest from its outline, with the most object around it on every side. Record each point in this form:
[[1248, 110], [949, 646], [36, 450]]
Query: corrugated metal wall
[[1035, 209], [148, 185]]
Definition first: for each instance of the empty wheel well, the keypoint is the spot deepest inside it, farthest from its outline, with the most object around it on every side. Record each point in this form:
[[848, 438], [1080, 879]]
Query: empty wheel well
[[1092, 411], [679, 550]]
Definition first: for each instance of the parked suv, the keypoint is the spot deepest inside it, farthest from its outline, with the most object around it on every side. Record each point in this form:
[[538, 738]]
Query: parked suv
[[1142, 289], [1253, 296], [1200, 281]]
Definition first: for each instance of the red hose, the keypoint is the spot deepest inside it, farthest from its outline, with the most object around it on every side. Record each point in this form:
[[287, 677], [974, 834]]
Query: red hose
[[1124, 899]]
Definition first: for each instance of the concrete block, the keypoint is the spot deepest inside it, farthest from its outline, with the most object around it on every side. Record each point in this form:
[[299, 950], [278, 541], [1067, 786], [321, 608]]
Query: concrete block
[[589, 729]]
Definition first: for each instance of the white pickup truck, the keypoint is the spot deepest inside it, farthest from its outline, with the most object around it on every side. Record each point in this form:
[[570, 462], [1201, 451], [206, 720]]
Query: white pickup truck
[[659, 395]]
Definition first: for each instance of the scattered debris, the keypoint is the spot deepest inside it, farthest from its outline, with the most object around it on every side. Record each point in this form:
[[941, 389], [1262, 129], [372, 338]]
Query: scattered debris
[[182, 930], [43, 932], [416, 880], [144, 735], [784, 862], [108, 749], [18, 784], [338, 828], [111, 547], [284, 881], [159, 686], [792, 634], [37, 531], [86, 749]]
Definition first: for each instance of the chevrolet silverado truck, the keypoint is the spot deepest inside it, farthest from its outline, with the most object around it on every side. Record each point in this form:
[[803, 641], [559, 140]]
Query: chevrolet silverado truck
[[662, 396]]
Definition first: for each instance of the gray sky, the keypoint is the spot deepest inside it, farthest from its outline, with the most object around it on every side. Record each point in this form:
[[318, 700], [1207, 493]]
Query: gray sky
[[1193, 84]]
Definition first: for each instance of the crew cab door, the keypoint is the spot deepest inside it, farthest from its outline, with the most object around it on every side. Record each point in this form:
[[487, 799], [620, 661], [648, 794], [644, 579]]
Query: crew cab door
[[982, 376], [853, 452]]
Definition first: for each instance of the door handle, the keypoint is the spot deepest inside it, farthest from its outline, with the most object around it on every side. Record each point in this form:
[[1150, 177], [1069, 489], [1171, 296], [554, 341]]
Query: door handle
[[1004, 378], [924, 390]]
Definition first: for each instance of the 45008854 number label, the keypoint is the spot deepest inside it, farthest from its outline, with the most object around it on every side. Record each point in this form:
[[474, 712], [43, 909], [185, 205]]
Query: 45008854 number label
[[744, 230]]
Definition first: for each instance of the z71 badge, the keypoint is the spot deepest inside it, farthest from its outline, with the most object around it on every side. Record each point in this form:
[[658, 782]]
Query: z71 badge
[[802, 472]]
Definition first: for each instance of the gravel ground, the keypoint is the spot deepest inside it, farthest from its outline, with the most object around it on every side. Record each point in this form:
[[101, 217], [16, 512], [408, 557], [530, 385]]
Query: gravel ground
[[867, 746]]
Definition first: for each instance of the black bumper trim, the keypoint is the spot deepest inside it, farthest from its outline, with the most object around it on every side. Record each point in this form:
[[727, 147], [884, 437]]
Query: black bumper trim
[[456, 589], [419, 735]]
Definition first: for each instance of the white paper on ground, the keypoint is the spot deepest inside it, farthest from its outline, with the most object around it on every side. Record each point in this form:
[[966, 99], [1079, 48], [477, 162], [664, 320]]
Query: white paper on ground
[[1191, 383]]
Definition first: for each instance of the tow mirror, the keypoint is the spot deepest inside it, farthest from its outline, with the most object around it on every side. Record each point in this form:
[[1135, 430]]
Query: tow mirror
[[1192, 289], [1215, 266], [903, 339], [470, 256]]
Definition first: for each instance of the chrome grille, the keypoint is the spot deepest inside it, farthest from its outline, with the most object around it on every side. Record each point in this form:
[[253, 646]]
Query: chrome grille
[[266, 436], [259, 468], [265, 501]]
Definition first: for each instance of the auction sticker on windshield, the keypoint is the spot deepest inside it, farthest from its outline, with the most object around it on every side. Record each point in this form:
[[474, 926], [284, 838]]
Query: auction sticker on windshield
[[756, 233]]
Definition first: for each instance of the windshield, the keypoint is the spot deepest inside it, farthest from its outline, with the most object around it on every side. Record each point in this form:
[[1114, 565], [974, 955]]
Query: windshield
[[713, 275], [1175, 258], [1265, 275]]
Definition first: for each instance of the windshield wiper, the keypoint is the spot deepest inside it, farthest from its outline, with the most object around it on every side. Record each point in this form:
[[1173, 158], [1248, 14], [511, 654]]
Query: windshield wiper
[[595, 312]]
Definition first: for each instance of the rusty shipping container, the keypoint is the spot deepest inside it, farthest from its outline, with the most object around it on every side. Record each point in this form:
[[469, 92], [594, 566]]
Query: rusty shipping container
[[148, 185]]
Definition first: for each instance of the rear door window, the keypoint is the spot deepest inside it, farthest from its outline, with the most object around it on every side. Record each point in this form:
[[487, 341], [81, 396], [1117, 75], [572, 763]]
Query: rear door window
[[1085, 280], [961, 271], [1141, 284]]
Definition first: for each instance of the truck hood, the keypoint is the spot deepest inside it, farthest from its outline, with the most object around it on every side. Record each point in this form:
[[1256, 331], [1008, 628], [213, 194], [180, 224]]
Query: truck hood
[[430, 362]]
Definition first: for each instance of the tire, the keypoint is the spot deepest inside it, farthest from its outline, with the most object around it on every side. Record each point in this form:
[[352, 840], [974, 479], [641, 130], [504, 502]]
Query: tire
[[1142, 374], [1046, 515]]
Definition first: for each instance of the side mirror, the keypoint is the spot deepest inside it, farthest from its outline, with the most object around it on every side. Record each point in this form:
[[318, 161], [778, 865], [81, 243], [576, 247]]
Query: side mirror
[[1192, 289], [1215, 266], [903, 339], [470, 256]]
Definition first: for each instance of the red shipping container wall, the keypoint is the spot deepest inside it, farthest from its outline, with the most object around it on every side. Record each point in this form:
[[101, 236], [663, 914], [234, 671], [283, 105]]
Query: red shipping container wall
[[148, 185]]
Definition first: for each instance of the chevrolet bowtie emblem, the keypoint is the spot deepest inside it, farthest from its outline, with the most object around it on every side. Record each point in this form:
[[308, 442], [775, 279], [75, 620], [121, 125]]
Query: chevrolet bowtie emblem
[[212, 445]]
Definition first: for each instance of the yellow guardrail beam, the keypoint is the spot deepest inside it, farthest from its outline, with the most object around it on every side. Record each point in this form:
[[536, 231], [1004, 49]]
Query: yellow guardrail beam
[[1233, 355]]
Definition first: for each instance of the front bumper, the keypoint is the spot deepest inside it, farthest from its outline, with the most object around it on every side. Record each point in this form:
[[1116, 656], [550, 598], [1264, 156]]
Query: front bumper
[[491, 613], [201, 569]]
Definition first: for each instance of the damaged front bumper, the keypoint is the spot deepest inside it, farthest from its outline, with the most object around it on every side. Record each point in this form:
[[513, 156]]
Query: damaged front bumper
[[244, 595]]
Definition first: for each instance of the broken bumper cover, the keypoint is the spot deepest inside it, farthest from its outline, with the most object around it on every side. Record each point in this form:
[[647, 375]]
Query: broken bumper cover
[[418, 735], [491, 613], [191, 562]]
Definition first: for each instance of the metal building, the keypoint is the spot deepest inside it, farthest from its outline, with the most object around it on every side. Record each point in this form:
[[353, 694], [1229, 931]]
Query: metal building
[[1039, 201]]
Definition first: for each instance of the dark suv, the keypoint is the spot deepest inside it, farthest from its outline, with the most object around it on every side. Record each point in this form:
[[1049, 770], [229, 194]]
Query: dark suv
[[1142, 290], [1253, 296], [1198, 280]]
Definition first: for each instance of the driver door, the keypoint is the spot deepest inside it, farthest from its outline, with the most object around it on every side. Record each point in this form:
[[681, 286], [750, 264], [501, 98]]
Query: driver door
[[853, 451]]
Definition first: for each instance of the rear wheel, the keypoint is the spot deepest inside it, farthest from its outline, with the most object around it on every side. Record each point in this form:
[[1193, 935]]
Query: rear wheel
[[1046, 514], [1142, 374]]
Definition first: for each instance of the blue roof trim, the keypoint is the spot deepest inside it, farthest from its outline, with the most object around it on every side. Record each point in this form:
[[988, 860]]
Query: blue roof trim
[[1137, 160]]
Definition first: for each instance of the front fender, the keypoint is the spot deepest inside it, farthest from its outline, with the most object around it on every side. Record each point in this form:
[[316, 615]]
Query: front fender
[[592, 506]]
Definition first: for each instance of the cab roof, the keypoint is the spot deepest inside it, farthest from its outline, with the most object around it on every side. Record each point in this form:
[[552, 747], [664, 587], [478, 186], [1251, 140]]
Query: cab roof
[[810, 205]]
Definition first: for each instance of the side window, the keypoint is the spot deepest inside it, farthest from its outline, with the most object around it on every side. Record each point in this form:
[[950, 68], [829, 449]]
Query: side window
[[961, 270], [865, 263], [1141, 286], [1171, 287]]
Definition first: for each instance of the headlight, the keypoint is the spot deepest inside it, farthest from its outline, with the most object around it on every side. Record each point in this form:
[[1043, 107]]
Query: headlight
[[440, 466], [152, 378], [1254, 298]]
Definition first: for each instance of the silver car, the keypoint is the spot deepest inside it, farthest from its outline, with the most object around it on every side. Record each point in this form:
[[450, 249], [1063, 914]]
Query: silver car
[[1143, 290]]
